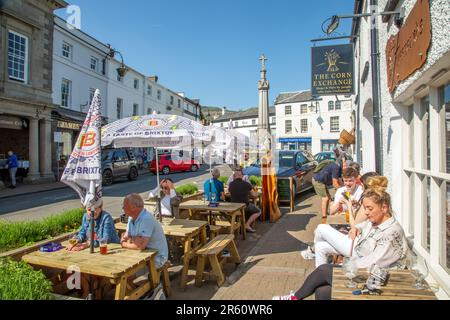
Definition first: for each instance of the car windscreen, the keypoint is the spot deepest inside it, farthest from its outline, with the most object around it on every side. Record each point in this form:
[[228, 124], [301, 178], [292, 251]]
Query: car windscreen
[[286, 160], [107, 155]]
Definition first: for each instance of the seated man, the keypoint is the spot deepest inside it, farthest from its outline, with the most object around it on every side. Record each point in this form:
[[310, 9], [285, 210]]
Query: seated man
[[350, 189], [214, 187], [170, 199], [143, 230], [240, 192], [232, 177]]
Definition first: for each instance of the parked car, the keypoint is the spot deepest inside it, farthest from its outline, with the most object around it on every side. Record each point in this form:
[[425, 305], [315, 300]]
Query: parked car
[[329, 155], [297, 164], [167, 164], [325, 155], [118, 163]]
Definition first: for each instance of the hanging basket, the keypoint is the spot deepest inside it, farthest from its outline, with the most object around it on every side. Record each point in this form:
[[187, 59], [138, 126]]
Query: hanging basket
[[346, 138]]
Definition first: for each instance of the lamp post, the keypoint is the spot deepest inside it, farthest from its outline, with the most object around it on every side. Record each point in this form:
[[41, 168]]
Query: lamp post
[[122, 70], [375, 61]]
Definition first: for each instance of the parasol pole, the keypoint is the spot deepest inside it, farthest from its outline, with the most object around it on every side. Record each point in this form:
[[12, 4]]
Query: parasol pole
[[158, 196], [92, 231]]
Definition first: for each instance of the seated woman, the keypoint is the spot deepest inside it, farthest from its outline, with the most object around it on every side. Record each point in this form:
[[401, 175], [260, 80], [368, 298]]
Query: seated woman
[[170, 199], [103, 229], [380, 240]]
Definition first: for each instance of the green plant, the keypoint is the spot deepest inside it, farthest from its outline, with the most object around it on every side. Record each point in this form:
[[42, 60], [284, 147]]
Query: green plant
[[255, 181], [18, 234], [18, 281], [187, 189], [223, 179]]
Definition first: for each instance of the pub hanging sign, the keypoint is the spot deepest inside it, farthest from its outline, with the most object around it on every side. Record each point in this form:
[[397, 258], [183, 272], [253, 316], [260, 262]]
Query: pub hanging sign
[[332, 70]]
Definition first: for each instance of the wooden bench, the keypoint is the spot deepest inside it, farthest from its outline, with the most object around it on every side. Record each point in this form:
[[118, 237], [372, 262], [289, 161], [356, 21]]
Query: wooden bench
[[165, 277], [215, 230], [212, 252]]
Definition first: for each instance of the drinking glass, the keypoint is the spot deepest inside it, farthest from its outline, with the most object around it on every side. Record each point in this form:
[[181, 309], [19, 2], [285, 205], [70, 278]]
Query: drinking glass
[[350, 270], [419, 271], [103, 246]]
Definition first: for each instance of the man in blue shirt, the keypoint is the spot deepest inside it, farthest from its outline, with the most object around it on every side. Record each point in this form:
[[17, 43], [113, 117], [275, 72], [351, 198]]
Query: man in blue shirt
[[12, 167], [329, 175], [143, 230], [214, 187]]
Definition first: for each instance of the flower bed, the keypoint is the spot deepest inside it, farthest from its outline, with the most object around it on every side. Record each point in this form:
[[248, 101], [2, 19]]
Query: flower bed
[[18, 281], [15, 235]]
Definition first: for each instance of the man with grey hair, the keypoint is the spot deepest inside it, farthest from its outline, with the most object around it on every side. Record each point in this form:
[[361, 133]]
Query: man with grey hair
[[213, 187], [143, 230]]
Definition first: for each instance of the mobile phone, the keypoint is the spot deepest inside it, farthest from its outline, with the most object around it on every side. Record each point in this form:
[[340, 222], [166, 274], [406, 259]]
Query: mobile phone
[[345, 196]]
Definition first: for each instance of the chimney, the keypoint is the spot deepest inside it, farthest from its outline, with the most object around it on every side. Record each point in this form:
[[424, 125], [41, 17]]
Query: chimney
[[224, 110], [153, 78]]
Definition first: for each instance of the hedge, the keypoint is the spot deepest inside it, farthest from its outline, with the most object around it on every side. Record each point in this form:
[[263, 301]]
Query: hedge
[[255, 181], [19, 281], [14, 235], [224, 180], [187, 189]]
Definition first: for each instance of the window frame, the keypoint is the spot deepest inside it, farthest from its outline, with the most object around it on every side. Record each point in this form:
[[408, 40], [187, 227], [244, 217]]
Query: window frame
[[25, 59], [286, 112], [331, 106], [97, 61], [302, 122], [286, 126], [331, 124], [136, 83], [67, 100], [303, 108], [135, 109], [119, 108], [70, 50]]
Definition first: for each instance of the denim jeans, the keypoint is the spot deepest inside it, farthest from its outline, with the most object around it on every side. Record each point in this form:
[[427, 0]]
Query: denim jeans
[[12, 175]]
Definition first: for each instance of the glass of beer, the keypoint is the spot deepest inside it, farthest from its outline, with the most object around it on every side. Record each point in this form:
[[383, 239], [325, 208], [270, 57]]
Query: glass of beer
[[103, 246]]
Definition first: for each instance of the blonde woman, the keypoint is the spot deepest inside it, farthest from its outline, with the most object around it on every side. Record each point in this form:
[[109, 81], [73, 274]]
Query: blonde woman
[[380, 240]]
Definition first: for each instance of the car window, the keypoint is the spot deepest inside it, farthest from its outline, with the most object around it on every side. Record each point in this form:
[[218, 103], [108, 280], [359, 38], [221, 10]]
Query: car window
[[301, 160], [107, 155], [120, 155], [169, 157]]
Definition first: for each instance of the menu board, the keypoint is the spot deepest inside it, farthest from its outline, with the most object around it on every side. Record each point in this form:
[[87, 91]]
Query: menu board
[[284, 189]]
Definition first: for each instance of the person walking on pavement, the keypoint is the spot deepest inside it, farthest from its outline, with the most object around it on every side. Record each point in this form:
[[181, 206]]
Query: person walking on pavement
[[12, 167]]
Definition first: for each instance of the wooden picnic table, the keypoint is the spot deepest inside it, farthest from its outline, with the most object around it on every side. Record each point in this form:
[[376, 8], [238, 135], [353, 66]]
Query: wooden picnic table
[[398, 287], [117, 266], [233, 211], [192, 233], [257, 201]]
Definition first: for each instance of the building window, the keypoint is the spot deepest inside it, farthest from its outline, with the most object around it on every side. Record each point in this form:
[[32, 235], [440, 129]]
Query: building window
[[65, 92], [334, 124], [159, 94], [304, 125], [67, 50], [171, 100], [235, 124], [304, 108], [94, 64], [329, 145], [288, 126], [288, 110], [254, 122], [179, 103], [136, 84], [119, 108], [17, 57], [135, 109], [331, 106], [337, 106], [149, 90], [149, 111], [119, 78], [273, 120]]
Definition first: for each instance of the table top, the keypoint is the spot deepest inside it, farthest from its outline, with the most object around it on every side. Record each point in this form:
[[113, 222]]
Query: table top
[[113, 265], [399, 287], [226, 207], [175, 227]]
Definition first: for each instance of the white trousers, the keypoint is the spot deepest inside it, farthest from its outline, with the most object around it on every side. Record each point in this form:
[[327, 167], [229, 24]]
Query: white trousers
[[327, 241]]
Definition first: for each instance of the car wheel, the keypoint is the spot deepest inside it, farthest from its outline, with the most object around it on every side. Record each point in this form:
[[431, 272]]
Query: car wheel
[[166, 170], [133, 174], [194, 168], [107, 178]]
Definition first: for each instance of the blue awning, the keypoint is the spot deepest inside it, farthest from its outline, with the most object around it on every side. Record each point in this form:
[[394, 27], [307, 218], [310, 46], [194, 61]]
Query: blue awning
[[295, 140]]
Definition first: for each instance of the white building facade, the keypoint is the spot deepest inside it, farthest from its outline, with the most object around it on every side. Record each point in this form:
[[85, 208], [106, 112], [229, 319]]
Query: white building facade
[[304, 123], [415, 124], [245, 122]]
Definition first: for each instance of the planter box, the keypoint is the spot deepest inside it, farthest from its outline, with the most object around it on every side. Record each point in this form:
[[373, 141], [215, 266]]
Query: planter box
[[17, 254]]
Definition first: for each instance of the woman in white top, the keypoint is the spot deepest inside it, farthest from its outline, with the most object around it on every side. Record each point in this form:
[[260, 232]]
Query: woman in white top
[[170, 199], [378, 241]]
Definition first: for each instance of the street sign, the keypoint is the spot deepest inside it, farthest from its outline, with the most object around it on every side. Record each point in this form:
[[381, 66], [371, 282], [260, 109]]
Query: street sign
[[332, 70]]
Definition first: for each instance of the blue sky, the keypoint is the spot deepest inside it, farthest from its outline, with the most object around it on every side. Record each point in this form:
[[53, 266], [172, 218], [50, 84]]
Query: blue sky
[[209, 49]]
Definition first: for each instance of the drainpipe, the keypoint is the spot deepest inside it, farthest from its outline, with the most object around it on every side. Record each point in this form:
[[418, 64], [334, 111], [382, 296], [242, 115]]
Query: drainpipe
[[376, 96]]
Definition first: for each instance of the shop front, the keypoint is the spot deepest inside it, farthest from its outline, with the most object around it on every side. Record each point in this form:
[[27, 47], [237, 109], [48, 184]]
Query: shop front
[[296, 143]]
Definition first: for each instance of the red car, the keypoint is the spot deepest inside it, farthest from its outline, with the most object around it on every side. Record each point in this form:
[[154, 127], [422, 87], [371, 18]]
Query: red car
[[168, 165]]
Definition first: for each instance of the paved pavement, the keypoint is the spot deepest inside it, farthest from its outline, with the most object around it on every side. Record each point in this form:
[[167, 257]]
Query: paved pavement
[[272, 264]]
